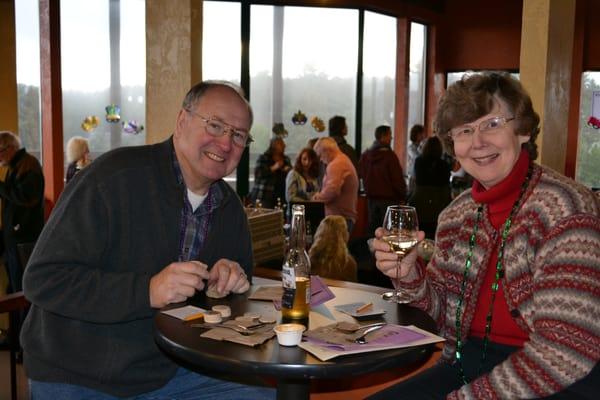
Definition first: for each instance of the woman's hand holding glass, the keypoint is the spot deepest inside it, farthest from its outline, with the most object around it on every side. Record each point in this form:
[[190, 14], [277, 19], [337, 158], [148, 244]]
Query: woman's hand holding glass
[[396, 247], [386, 260]]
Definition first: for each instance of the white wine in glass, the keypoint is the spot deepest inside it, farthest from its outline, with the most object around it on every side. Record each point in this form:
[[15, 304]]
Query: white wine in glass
[[401, 228]]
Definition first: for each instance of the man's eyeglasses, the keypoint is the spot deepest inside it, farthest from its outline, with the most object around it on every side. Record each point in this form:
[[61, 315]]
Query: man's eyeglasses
[[465, 133], [217, 128]]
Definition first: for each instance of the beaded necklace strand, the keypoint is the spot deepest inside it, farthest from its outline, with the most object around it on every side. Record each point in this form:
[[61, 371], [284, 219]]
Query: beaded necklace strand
[[497, 277]]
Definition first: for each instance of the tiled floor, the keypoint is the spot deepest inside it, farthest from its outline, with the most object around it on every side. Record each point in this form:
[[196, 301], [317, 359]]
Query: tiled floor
[[22, 392]]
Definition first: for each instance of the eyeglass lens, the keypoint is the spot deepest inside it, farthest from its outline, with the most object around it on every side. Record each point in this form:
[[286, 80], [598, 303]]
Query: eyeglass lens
[[218, 128], [463, 132]]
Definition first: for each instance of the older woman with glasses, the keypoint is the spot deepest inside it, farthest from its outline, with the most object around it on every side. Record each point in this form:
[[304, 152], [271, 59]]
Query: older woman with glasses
[[514, 282]]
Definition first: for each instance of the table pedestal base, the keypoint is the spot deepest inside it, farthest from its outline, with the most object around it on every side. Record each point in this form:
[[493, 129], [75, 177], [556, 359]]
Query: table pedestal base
[[297, 389]]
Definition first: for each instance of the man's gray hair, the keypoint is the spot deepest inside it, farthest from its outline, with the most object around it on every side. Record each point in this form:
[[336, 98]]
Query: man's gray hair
[[326, 143], [7, 138], [200, 89]]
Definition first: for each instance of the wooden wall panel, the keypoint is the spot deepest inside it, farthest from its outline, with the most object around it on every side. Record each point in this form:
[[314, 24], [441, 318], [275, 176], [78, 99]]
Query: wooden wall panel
[[8, 69], [474, 36], [591, 49]]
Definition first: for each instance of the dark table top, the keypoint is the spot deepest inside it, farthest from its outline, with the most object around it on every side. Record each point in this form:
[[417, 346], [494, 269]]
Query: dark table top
[[184, 342]]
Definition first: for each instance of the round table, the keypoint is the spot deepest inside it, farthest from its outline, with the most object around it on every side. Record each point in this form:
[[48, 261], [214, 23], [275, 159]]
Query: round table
[[291, 366]]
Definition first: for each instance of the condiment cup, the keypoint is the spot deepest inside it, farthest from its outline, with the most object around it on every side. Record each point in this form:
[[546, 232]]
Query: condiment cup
[[289, 334]]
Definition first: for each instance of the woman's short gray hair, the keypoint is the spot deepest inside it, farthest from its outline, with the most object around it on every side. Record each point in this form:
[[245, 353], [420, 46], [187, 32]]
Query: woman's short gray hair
[[77, 146], [7, 138]]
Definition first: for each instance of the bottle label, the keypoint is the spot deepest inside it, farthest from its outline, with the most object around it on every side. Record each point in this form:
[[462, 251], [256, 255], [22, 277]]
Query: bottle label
[[288, 277], [288, 280], [287, 300]]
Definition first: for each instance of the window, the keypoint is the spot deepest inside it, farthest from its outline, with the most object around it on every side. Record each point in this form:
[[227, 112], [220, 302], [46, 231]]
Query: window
[[221, 44], [311, 68], [303, 59], [28, 74], [417, 75], [588, 148], [379, 75], [103, 63]]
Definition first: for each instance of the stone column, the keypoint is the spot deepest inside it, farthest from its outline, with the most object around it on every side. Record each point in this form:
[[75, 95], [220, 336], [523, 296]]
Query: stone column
[[173, 61], [545, 71]]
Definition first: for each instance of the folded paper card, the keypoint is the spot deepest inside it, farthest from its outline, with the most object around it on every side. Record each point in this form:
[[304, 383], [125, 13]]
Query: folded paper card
[[328, 342], [359, 309], [319, 293], [184, 313]]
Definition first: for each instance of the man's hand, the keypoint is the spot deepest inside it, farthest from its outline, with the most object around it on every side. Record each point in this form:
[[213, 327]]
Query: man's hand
[[177, 282], [277, 165], [227, 276], [387, 260]]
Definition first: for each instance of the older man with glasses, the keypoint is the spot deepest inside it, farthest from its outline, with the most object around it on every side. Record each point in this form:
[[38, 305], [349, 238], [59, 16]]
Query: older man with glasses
[[140, 228]]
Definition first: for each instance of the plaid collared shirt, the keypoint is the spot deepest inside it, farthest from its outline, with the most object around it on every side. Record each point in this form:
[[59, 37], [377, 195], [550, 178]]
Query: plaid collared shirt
[[194, 225]]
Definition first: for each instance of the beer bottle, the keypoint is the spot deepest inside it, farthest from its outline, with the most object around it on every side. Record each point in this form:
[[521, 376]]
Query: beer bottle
[[295, 276]]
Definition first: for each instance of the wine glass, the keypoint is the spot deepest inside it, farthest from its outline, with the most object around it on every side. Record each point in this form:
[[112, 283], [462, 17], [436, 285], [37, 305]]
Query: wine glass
[[401, 228]]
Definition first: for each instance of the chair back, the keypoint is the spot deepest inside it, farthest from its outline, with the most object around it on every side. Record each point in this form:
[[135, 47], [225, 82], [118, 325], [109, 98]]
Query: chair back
[[13, 304]]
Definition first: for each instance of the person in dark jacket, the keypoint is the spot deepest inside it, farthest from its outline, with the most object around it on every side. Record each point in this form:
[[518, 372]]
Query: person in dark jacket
[[138, 229], [22, 195], [338, 129], [382, 176], [432, 186], [270, 173]]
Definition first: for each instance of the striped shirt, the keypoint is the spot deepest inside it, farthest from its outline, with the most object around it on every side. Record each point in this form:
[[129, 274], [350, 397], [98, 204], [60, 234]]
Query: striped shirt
[[195, 224]]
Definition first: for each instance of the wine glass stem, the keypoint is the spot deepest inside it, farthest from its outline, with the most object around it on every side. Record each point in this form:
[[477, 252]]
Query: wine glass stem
[[396, 290]]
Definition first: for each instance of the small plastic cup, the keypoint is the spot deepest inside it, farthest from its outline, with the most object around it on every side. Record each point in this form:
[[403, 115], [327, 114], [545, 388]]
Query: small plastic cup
[[289, 334]]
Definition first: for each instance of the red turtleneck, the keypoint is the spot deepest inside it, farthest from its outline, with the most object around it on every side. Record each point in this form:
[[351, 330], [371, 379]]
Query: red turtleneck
[[499, 199]]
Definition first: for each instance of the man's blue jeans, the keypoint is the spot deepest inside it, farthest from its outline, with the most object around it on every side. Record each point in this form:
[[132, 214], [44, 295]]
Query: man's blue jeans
[[184, 385]]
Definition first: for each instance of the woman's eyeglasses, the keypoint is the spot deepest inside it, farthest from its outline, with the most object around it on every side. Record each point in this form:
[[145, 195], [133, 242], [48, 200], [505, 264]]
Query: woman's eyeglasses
[[465, 133]]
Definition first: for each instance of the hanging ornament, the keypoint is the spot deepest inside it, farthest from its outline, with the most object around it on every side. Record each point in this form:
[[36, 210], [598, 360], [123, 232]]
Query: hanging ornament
[[299, 118], [90, 123], [594, 122], [132, 127], [318, 124], [113, 112]]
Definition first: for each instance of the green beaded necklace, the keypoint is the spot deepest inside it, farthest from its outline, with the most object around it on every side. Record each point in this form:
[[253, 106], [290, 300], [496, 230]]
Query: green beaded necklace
[[498, 276]]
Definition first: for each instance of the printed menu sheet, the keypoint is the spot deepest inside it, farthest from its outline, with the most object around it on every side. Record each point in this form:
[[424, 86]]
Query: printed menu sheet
[[327, 342]]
